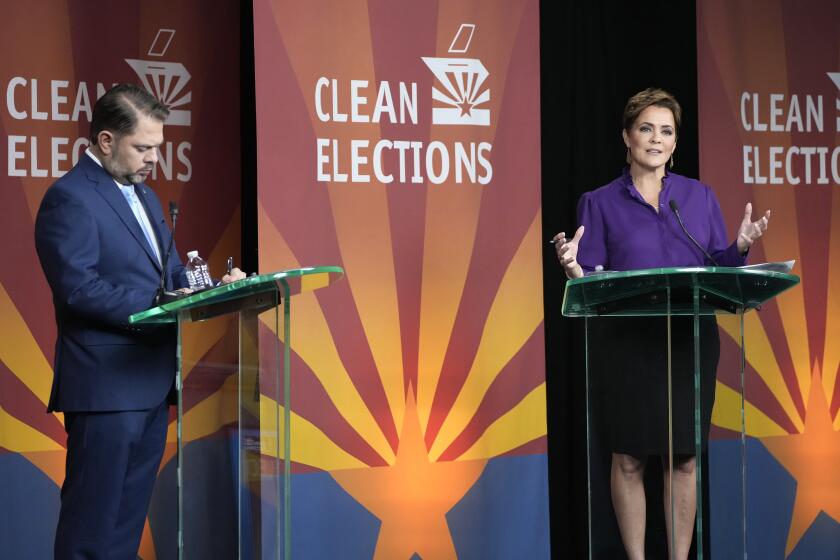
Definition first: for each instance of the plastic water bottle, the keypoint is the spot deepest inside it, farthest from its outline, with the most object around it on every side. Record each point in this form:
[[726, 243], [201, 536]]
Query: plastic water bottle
[[198, 274]]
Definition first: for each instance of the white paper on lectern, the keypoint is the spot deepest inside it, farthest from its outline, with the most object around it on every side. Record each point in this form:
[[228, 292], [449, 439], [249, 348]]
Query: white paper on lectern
[[781, 266]]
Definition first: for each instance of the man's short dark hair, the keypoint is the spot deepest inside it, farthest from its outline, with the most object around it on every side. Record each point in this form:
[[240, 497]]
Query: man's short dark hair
[[117, 110]]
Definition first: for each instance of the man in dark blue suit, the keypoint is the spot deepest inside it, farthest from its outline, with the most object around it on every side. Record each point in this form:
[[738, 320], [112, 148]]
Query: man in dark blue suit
[[101, 237]]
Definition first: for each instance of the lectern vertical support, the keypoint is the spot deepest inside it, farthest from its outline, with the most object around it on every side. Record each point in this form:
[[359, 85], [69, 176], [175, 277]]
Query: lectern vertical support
[[588, 436], [670, 375], [743, 442], [287, 420], [247, 362], [179, 444], [279, 522], [698, 435]]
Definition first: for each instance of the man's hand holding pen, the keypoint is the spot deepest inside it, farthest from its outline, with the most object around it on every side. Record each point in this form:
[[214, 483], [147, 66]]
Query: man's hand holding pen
[[233, 274]]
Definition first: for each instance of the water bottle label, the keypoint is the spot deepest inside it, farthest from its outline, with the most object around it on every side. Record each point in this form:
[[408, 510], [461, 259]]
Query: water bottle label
[[208, 282], [198, 274], [191, 279]]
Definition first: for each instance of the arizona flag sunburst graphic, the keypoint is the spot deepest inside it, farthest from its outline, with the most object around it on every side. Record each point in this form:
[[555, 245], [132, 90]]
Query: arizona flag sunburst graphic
[[51, 85], [767, 101], [425, 364]]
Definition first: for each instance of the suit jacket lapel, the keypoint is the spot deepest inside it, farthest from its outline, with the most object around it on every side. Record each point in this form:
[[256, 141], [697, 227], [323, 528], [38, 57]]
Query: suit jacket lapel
[[155, 217], [107, 188]]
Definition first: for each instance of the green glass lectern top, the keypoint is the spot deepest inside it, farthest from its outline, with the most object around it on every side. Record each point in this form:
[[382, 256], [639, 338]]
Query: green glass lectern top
[[260, 421], [641, 292], [691, 292], [296, 280]]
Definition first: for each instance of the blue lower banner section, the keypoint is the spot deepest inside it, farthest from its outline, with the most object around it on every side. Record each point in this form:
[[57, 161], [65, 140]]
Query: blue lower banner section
[[210, 505], [29, 505], [771, 493], [504, 515]]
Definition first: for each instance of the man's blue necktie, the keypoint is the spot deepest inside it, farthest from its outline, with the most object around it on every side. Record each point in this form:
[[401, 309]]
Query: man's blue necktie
[[142, 219]]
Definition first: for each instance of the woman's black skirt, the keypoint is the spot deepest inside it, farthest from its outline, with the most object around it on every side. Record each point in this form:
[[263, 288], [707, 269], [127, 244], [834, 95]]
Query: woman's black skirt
[[628, 369]]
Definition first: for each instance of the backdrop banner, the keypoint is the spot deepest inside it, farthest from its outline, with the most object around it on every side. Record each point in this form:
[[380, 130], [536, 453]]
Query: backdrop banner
[[769, 96], [59, 57], [401, 141]]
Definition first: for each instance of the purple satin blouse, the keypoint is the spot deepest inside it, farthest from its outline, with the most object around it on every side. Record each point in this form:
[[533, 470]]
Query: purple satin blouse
[[623, 232]]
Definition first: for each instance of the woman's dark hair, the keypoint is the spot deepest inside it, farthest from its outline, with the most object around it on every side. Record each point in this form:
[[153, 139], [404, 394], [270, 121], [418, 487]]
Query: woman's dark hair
[[650, 97], [117, 110]]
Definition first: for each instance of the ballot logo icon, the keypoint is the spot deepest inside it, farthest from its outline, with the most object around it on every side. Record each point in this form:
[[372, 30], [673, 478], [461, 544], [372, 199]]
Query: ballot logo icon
[[460, 89], [165, 80], [835, 77]]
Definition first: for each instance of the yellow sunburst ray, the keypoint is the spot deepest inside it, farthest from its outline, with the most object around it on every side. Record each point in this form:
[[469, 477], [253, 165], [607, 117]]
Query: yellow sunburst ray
[[831, 348], [364, 239], [515, 313], [810, 458], [777, 244], [217, 409], [795, 324], [451, 222], [727, 414], [780, 245], [147, 543], [51, 463], [309, 445], [523, 423], [313, 342], [209, 415], [21, 353], [761, 357], [19, 437], [197, 340], [228, 244], [326, 364]]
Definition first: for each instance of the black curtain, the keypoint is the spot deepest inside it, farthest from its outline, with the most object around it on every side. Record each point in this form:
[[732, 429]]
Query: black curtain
[[594, 56], [248, 140]]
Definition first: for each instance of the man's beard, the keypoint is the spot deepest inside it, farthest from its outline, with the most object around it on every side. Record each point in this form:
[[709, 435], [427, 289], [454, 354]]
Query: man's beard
[[123, 178], [133, 178]]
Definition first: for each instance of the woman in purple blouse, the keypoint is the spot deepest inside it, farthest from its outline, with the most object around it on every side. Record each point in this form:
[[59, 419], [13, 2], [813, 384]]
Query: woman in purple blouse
[[630, 224]]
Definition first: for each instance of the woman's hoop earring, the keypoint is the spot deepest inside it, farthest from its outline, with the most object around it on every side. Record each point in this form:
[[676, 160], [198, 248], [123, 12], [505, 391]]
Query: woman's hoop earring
[[671, 164]]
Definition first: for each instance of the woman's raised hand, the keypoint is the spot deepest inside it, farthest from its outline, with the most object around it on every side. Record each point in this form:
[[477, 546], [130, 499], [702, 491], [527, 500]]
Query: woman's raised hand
[[567, 252], [749, 230]]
